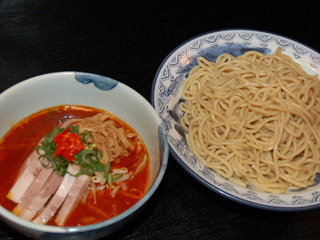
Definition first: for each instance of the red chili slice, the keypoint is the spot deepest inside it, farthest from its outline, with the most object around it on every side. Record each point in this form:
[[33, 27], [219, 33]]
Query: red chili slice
[[67, 144]]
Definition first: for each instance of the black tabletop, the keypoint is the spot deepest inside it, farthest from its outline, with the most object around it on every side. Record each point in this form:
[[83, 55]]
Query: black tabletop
[[128, 40]]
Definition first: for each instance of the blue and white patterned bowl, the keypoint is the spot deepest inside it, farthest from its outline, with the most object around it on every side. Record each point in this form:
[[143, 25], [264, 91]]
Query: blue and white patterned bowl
[[96, 91], [166, 94]]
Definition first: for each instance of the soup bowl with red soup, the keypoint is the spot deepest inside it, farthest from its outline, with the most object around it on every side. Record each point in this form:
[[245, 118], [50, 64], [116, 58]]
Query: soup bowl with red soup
[[80, 155]]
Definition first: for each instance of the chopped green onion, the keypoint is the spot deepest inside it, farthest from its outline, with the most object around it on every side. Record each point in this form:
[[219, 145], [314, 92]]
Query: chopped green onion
[[88, 158]]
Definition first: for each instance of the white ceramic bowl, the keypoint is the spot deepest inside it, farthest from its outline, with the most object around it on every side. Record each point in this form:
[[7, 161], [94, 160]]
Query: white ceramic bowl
[[97, 91], [166, 94]]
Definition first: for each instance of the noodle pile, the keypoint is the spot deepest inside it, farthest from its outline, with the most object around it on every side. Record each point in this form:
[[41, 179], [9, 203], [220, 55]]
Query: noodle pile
[[254, 119]]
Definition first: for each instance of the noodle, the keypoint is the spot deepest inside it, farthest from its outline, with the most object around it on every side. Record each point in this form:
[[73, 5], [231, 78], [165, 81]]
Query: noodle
[[254, 119]]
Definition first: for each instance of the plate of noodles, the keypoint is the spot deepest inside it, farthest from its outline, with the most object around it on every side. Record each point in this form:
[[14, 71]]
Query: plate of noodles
[[241, 110]]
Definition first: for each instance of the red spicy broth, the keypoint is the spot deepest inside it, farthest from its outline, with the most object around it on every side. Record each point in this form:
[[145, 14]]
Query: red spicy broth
[[21, 140]]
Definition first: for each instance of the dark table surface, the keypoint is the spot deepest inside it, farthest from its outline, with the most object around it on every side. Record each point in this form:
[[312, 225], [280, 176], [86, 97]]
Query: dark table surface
[[127, 41]]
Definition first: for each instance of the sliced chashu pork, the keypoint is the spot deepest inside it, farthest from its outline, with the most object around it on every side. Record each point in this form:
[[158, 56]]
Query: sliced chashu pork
[[33, 190], [40, 199], [58, 198], [37, 185], [31, 170], [78, 189]]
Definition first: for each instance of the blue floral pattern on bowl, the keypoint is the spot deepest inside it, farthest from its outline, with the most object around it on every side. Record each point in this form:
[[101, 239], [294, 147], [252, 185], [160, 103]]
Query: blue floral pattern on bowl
[[101, 82]]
